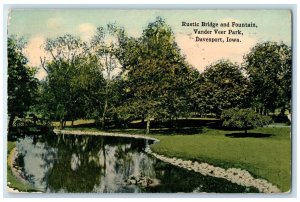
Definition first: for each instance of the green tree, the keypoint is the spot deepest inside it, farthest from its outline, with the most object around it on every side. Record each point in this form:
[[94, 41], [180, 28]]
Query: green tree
[[198, 95], [155, 73], [73, 86], [89, 85], [243, 119], [57, 92], [223, 86], [104, 47], [269, 68], [22, 85]]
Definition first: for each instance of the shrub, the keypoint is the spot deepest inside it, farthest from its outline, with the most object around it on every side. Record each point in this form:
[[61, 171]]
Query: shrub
[[281, 118], [243, 119]]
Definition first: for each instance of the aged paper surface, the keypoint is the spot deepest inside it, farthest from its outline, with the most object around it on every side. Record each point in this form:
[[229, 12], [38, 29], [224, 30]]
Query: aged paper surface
[[206, 94]]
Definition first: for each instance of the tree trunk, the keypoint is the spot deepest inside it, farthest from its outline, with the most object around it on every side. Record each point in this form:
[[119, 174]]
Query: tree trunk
[[11, 122], [104, 114], [148, 125], [265, 112], [172, 122], [246, 131], [72, 123], [34, 118], [108, 64], [61, 124], [143, 119]]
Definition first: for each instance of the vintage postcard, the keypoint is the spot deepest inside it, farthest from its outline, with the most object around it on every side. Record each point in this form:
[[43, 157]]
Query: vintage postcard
[[149, 101]]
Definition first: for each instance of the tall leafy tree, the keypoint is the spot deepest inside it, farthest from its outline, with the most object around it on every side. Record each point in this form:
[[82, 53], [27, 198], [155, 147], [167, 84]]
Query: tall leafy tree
[[104, 46], [196, 94], [22, 84], [74, 79], [155, 72], [223, 86], [89, 84], [269, 68]]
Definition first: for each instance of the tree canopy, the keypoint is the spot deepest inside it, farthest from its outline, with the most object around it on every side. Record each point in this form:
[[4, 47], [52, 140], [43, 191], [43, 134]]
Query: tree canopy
[[223, 86], [22, 85], [155, 81], [74, 81], [269, 69], [156, 73]]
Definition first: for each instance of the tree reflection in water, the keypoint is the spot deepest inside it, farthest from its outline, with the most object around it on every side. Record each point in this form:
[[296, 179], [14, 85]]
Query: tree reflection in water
[[77, 164]]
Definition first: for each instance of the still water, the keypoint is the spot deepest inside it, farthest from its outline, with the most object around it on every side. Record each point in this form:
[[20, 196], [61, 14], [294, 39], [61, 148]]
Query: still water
[[93, 164]]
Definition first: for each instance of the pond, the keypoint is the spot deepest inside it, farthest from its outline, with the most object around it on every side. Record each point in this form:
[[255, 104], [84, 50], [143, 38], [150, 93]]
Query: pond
[[98, 164]]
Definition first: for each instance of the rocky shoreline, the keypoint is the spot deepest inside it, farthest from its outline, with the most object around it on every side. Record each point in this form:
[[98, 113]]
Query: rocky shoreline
[[143, 181], [234, 175]]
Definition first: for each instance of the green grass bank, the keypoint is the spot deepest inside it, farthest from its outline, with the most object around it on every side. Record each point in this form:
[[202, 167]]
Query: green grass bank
[[267, 157], [12, 179]]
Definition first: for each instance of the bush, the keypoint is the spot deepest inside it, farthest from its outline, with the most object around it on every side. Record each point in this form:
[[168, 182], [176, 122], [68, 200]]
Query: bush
[[281, 118], [243, 119]]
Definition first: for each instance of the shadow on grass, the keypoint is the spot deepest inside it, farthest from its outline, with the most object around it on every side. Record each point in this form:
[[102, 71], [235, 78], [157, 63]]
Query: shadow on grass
[[176, 131], [243, 135], [156, 128], [83, 125]]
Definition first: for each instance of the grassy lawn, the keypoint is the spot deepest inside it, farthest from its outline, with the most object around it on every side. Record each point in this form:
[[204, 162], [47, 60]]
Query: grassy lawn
[[10, 146], [265, 157], [76, 122]]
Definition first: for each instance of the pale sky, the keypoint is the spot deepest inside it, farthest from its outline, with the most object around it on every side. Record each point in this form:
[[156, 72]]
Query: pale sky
[[36, 25]]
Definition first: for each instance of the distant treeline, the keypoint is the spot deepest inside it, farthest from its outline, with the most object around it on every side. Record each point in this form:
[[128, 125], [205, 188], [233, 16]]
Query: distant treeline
[[118, 78]]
